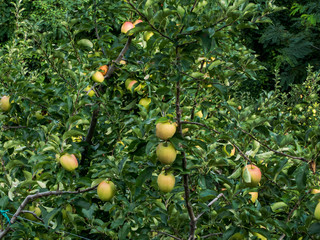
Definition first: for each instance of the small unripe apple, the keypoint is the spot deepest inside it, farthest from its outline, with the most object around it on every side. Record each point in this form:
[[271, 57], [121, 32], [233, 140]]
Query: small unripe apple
[[98, 77], [254, 196], [166, 182], [104, 69], [34, 209], [126, 27], [165, 130], [5, 103], [255, 174], [106, 190], [137, 22], [145, 102], [147, 35], [69, 162], [166, 153], [317, 212], [91, 93]]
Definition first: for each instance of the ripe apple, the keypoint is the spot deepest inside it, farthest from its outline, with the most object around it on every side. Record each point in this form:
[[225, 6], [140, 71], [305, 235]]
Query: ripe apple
[[166, 182], [315, 191], [91, 93], [69, 162], [34, 209], [126, 27], [129, 83], [5, 103], [145, 102], [98, 77], [165, 130], [166, 153], [254, 196], [104, 69], [255, 174], [137, 22], [147, 35], [106, 190]]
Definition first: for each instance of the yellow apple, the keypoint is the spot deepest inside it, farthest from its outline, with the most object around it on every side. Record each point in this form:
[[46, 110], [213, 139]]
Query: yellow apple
[[166, 182], [199, 114], [106, 190], [126, 27], [34, 209], [91, 93], [69, 162], [147, 35], [5, 103], [98, 77], [255, 174], [145, 102], [254, 196], [165, 130], [166, 153]]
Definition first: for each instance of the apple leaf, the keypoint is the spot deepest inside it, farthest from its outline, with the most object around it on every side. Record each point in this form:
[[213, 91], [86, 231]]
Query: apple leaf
[[246, 176], [314, 229], [162, 120], [72, 133], [236, 174], [279, 207]]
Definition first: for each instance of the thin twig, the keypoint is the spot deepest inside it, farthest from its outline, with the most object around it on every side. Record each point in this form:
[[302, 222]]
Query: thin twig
[[5, 127], [202, 125], [211, 234], [167, 234], [151, 25], [275, 151], [212, 202], [40, 195]]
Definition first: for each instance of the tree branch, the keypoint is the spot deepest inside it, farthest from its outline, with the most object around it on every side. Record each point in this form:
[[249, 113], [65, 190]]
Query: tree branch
[[40, 195], [212, 202], [151, 25], [33, 213]]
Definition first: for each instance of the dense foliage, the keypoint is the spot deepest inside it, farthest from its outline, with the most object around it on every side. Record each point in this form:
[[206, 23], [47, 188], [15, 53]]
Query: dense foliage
[[194, 68]]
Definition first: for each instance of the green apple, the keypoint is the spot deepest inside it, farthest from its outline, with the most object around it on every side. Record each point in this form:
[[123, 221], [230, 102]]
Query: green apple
[[165, 130], [147, 35], [166, 153], [145, 102], [91, 93], [69, 162], [255, 175], [5, 103], [166, 182], [317, 212], [98, 77], [106, 190], [237, 236], [34, 209]]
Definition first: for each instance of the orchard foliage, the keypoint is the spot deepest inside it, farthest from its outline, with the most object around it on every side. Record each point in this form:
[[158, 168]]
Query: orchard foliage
[[194, 61]]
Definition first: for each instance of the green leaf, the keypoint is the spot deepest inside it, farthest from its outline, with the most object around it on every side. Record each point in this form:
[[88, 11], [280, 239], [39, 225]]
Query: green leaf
[[301, 176], [279, 207], [246, 176], [72, 133]]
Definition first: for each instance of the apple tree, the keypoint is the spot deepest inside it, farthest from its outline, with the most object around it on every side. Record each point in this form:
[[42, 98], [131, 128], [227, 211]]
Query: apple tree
[[144, 131]]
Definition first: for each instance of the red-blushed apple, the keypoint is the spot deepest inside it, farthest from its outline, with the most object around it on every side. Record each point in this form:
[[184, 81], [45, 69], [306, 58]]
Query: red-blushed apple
[[166, 182], [106, 190], [165, 130], [129, 83], [5, 103], [69, 162], [145, 102], [254, 196], [255, 175], [315, 191], [98, 77], [104, 69], [166, 153], [137, 22], [126, 27]]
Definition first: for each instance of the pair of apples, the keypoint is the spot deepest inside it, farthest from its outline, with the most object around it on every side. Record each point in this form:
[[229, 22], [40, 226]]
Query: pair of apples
[[98, 76]]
